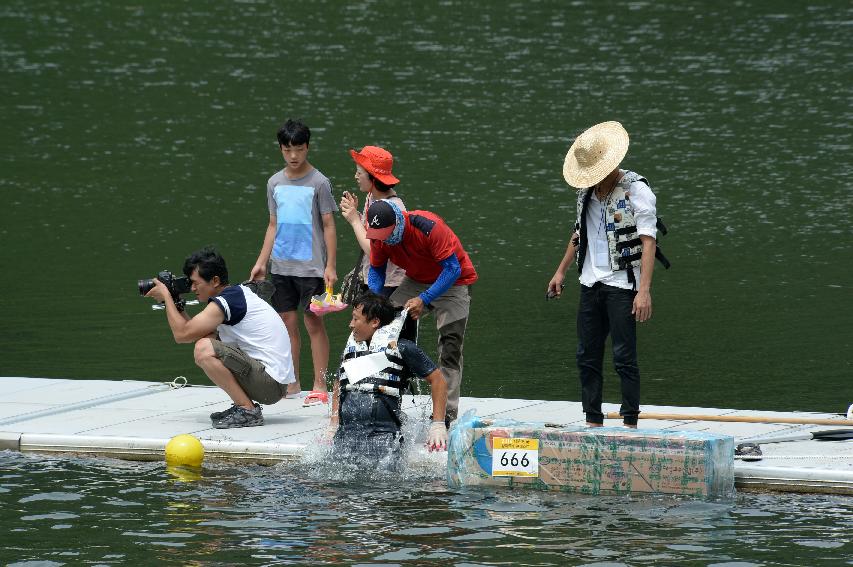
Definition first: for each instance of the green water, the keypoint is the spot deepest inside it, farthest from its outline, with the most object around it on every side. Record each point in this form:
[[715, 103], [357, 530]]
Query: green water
[[134, 133], [100, 512]]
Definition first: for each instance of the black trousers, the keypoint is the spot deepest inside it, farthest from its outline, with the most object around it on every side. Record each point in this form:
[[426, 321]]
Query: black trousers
[[604, 310]]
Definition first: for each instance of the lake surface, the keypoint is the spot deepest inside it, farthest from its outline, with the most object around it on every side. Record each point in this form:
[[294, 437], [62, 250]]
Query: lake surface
[[93, 512], [134, 133]]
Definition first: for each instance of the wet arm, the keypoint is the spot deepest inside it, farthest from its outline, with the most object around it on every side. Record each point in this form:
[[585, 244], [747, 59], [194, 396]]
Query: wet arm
[[336, 404], [438, 392]]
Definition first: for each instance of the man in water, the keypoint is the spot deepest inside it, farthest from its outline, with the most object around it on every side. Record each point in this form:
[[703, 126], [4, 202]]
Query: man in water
[[375, 367]]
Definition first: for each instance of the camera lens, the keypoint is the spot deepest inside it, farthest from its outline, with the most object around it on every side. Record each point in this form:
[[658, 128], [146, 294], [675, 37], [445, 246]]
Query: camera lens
[[145, 286]]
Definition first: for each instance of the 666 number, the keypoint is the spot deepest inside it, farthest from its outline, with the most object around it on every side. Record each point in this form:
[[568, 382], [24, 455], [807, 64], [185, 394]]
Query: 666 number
[[514, 460]]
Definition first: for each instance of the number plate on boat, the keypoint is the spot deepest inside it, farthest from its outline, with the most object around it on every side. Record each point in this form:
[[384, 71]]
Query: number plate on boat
[[515, 457]]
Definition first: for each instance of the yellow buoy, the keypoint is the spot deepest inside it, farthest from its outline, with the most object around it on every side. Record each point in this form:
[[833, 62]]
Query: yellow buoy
[[184, 450]]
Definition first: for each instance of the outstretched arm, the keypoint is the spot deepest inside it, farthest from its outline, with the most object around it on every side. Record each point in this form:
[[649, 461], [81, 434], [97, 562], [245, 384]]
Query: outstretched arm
[[336, 405], [437, 438]]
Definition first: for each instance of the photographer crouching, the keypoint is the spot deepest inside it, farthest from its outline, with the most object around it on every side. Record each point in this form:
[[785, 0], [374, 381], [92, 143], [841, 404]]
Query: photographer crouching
[[240, 341]]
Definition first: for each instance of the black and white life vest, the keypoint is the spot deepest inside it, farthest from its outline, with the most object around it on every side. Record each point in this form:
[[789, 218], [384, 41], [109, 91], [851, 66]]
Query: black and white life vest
[[388, 380], [625, 249]]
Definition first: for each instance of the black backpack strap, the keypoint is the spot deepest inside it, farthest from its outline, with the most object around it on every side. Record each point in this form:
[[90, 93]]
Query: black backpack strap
[[582, 243], [632, 279], [661, 258]]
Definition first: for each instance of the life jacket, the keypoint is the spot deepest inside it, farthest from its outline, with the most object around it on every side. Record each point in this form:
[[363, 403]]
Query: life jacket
[[391, 380], [625, 249]]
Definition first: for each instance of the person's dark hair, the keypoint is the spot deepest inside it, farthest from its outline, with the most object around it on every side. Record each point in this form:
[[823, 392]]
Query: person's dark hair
[[375, 307], [383, 187], [293, 133], [209, 264]]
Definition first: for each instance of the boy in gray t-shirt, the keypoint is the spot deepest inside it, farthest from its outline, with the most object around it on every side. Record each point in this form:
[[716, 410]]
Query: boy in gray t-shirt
[[300, 248]]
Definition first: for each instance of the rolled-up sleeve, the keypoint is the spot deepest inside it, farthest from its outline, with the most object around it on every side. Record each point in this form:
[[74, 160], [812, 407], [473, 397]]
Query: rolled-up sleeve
[[645, 209]]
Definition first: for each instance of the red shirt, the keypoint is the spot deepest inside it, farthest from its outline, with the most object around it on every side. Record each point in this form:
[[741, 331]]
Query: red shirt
[[427, 240]]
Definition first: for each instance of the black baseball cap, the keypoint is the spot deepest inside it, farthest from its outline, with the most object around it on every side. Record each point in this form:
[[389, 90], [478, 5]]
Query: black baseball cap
[[381, 220]]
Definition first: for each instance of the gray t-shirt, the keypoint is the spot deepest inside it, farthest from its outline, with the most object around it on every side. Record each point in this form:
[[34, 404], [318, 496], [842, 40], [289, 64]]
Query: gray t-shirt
[[298, 205]]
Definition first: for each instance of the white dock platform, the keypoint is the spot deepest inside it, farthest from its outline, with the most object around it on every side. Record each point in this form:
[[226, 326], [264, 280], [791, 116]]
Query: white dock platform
[[134, 420]]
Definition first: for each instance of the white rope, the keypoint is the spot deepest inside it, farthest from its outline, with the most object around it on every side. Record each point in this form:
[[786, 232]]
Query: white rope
[[795, 457], [178, 383]]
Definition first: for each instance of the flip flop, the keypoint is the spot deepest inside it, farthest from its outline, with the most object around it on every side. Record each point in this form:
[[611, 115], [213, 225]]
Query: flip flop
[[315, 398], [295, 396]]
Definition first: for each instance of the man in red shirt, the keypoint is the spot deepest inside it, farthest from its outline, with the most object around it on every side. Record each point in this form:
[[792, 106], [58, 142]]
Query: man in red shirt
[[438, 275]]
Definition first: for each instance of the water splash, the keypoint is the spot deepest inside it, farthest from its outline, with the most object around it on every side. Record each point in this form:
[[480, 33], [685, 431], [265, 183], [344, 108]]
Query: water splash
[[361, 460]]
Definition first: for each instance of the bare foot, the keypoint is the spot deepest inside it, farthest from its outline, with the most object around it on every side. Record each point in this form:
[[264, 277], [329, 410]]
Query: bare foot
[[293, 389]]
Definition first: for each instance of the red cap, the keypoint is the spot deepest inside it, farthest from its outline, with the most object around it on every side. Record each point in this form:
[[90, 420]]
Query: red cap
[[377, 162]]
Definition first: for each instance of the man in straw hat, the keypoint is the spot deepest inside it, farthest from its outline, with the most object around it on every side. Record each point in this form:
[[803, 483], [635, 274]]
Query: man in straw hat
[[614, 242]]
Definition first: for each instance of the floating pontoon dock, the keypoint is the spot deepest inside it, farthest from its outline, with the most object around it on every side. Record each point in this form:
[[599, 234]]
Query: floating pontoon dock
[[134, 420]]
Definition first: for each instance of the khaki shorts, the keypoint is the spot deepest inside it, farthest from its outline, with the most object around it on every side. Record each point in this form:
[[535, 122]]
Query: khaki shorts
[[250, 374]]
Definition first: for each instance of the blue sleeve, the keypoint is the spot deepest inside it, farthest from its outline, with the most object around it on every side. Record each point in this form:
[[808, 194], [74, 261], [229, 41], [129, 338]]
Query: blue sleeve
[[376, 278], [451, 270], [415, 359]]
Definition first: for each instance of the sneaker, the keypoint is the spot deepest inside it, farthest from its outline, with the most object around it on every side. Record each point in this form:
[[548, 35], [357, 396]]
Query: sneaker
[[217, 415], [241, 417]]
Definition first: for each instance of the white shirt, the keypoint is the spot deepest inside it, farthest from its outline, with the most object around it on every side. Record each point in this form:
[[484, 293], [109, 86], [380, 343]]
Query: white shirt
[[643, 202], [254, 326]]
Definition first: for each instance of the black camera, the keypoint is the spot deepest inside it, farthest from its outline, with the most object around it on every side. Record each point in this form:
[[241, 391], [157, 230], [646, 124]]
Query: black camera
[[176, 286]]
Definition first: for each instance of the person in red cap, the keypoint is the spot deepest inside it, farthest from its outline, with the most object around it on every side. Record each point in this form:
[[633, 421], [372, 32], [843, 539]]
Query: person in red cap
[[373, 175], [438, 275]]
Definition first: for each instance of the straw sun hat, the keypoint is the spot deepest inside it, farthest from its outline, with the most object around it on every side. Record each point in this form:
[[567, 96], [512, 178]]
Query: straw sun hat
[[594, 154]]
